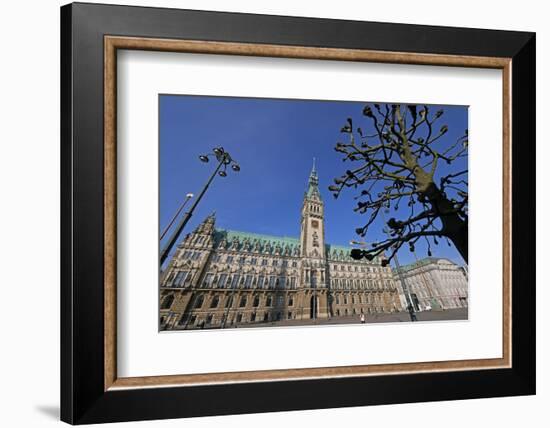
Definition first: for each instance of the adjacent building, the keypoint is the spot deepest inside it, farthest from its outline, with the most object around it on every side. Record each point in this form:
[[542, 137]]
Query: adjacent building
[[224, 278], [433, 283]]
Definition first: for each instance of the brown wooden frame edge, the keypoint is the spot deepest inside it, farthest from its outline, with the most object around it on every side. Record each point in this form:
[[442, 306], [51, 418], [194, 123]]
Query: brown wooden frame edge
[[113, 43]]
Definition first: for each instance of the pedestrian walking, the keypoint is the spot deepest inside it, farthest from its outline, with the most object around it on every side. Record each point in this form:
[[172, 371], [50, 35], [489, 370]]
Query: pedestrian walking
[[362, 318]]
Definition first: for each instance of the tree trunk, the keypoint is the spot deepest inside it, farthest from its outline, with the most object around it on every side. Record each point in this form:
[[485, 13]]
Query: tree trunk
[[454, 227]]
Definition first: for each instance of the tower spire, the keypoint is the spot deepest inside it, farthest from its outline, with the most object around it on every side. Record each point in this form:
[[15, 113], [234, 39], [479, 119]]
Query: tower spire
[[312, 235], [313, 183]]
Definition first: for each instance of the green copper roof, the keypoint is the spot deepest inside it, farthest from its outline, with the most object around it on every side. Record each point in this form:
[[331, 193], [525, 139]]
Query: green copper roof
[[313, 183], [284, 245], [313, 191], [255, 242], [342, 253], [232, 234]]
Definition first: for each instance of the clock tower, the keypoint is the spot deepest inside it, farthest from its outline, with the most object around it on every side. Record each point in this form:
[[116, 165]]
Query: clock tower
[[312, 232], [312, 247]]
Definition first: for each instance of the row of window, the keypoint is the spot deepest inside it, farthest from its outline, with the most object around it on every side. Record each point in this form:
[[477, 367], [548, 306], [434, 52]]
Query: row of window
[[198, 301], [196, 239], [447, 303], [183, 279], [215, 302], [256, 300], [247, 281], [358, 299], [221, 258], [354, 311], [344, 283], [353, 268], [437, 289], [211, 320], [315, 208], [224, 280], [254, 261], [191, 255]]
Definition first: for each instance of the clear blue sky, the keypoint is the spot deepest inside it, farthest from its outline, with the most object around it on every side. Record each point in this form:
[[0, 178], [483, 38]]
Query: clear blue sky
[[274, 141]]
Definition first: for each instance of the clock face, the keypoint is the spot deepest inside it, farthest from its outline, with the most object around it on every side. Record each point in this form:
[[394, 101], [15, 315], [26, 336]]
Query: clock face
[[314, 224]]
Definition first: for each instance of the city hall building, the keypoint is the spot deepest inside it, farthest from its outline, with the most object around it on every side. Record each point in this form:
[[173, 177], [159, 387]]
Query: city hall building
[[223, 278]]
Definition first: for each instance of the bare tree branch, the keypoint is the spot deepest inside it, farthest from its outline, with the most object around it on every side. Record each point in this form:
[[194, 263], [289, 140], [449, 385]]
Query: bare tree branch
[[397, 164]]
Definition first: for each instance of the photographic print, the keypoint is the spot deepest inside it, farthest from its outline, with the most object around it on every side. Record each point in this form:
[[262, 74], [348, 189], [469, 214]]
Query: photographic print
[[288, 212]]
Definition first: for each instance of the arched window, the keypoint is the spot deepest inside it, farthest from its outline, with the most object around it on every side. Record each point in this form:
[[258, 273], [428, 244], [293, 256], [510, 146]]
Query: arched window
[[268, 301], [290, 301], [242, 303], [179, 279], [207, 282], [215, 301], [293, 282], [256, 302], [235, 281], [313, 280], [167, 302], [199, 301]]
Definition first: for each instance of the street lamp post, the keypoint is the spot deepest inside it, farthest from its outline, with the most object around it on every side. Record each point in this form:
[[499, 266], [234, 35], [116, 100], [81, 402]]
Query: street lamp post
[[406, 291], [433, 301], [187, 197], [358, 254], [224, 160]]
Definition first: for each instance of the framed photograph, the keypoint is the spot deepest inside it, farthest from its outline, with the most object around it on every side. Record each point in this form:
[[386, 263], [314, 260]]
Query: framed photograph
[[267, 213]]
